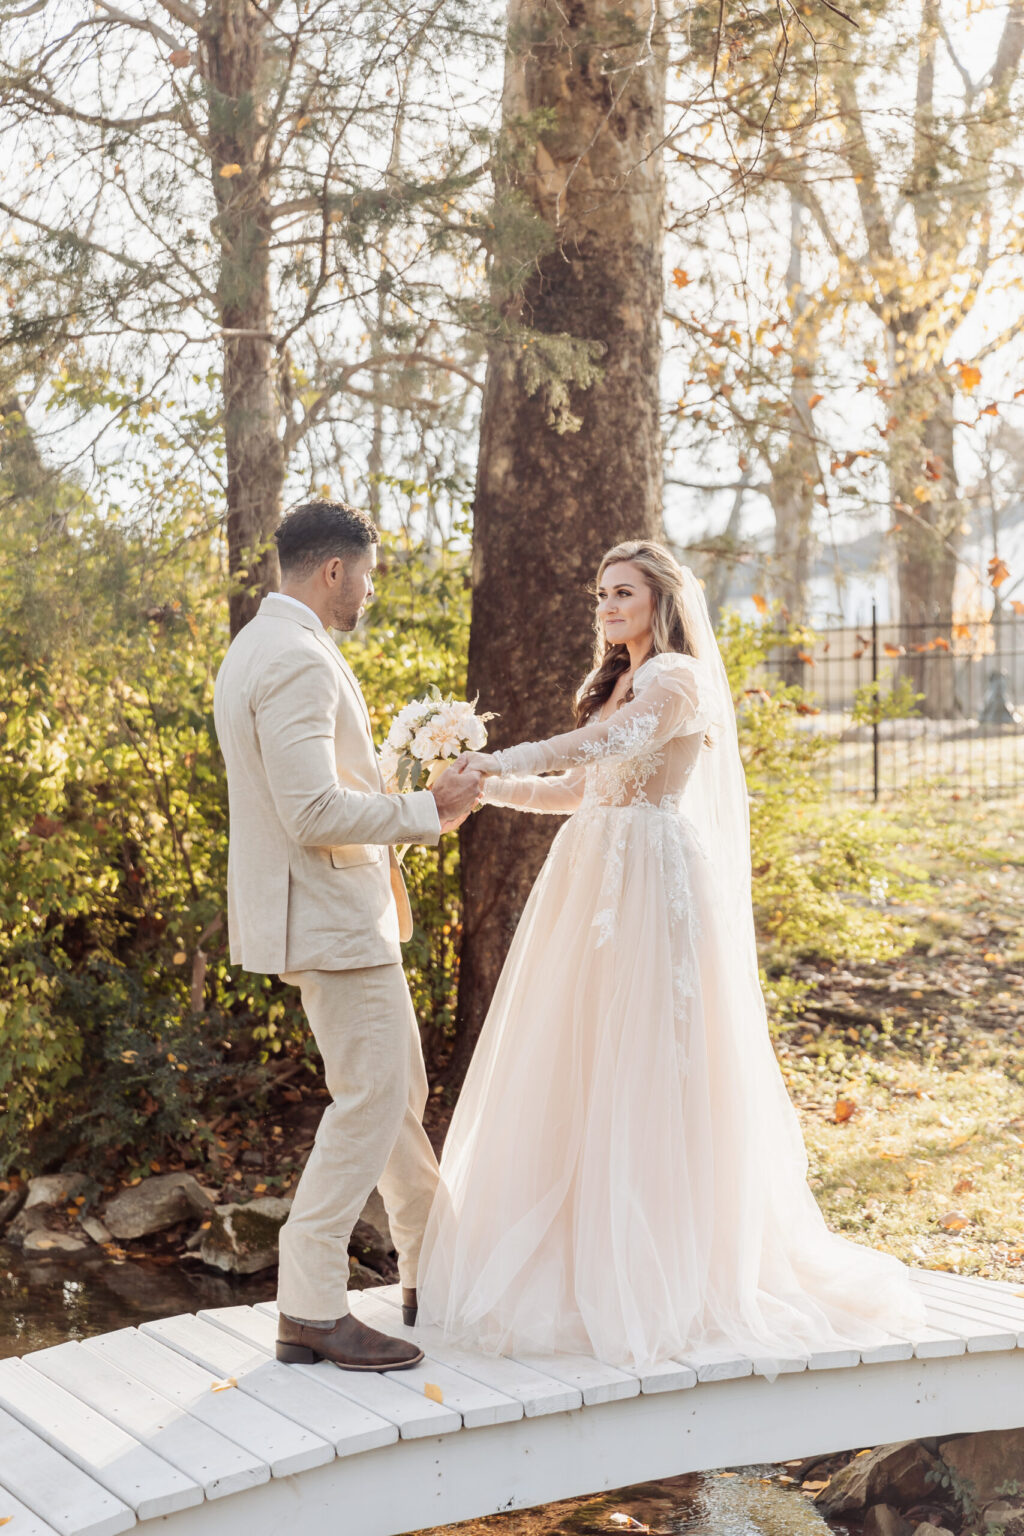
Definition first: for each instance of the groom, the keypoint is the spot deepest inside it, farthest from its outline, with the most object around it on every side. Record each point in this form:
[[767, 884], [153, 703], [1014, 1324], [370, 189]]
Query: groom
[[316, 895]]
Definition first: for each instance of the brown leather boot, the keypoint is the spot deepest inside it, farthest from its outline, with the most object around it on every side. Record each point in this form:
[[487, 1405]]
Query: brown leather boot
[[348, 1343], [409, 1306]]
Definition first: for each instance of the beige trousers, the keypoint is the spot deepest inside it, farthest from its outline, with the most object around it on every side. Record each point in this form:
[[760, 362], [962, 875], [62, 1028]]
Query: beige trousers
[[371, 1134]]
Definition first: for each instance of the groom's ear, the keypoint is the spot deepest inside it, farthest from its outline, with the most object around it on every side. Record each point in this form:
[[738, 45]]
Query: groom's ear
[[333, 571]]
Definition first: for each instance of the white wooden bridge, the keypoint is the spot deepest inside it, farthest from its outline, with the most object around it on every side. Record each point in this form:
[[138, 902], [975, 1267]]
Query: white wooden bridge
[[191, 1425]]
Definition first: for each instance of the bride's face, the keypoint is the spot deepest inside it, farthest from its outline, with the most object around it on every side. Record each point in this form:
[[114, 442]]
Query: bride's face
[[625, 603]]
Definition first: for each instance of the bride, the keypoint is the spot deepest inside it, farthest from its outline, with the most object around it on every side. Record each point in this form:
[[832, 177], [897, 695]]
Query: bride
[[624, 1175]]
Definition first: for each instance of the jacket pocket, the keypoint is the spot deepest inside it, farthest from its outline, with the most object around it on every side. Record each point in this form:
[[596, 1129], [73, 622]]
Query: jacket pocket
[[357, 853]]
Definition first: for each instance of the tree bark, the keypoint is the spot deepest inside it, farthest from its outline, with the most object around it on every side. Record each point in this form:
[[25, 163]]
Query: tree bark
[[549, 502], [796, 473], [236, 75]]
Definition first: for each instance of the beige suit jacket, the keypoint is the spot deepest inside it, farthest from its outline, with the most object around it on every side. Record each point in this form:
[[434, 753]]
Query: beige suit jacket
[[313, 883]]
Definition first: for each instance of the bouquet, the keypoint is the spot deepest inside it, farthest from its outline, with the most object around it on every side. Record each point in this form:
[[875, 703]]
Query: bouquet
[[426, 736]]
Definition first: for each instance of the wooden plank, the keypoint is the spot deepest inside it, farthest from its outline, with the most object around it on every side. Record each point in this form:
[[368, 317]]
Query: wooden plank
[[54, 1489], [22, 1520], [347, 1426], [978, 1299], [597, 1382], [101, 1449], [475, 1403], [435, 1483], [888, 1352], [838, 1359], [979, 1336], [412, 1415], [667, 1376], [217, 1465], [285, 1447], [982, 1320], [538, 1393]]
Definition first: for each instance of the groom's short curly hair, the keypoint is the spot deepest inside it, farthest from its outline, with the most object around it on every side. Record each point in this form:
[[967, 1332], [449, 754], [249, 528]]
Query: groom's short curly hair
[[319, 531]]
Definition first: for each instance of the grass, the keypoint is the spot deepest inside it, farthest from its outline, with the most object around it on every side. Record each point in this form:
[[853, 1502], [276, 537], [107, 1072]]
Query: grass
[[908, 1074]]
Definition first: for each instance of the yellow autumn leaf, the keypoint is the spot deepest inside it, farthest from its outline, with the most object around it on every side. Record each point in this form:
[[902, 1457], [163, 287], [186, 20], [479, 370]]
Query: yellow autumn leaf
[[6, 1519], [759, 602], [227, 171], [922, 493], [433, 1392], [954, 1221], [222, 1386], [970, 377], [679, 277]]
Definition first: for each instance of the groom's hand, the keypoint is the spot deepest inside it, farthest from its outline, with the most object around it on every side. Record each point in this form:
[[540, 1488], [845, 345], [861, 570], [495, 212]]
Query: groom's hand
[[455, 795]]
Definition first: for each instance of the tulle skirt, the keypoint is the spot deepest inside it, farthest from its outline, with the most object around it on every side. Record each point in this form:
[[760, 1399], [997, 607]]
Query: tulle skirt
[[624, 1175]]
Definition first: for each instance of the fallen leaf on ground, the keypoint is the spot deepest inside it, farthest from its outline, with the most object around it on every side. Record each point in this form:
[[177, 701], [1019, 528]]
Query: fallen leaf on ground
[[954, 1221], [222, 1386], [433, 1392], [843, 1111]]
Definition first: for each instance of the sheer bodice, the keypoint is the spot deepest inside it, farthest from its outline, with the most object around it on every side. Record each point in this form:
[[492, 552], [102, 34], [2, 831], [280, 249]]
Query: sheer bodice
[[642, 753]]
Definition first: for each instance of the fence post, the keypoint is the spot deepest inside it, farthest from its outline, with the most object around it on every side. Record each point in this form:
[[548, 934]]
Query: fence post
[[874, 690]]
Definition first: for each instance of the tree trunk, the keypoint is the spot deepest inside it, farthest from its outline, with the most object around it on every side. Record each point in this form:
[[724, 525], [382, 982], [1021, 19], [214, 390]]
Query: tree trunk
[[549, 502], [927, 515], [235, 71], [795, 474]]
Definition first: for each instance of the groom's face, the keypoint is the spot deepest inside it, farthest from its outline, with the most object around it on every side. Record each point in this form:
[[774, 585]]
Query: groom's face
[[352, 588]]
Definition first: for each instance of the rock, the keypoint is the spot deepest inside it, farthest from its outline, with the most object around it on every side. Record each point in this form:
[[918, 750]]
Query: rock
[[11, 1204], [154, 1204], [1005, 1517], [375, 1216], [42, 1241], [883, 1520], [892, 1474], [362, 1279], [94, 1228], [986, 1466], [242, 1239], [367, 1246], [25, 1223], [58, 1189]]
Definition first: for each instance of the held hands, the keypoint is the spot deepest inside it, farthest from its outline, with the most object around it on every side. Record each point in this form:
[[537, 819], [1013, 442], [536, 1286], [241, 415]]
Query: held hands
[[476, 762], [455, 794]]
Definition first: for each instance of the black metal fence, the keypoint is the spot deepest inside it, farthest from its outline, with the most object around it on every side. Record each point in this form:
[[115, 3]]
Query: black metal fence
[[911, 705]]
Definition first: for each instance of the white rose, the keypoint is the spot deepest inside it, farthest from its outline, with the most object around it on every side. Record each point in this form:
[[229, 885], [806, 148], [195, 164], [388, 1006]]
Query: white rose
[[399, 735], [389, 759], [425, 745], [411, 714], [475, 733], [449, 739]]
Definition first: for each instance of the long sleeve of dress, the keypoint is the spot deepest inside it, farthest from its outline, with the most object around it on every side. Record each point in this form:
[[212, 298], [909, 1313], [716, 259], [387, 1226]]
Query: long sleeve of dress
[[672, 698], [559, 795]]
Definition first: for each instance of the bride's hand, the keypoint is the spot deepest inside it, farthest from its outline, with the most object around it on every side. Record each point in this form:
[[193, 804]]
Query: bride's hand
[[482, 762]]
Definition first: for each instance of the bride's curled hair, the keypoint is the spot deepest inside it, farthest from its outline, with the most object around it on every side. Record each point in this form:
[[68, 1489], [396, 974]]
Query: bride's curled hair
[[664, 576]]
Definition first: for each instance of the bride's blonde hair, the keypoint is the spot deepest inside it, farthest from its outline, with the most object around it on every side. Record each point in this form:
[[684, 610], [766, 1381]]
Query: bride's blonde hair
[[664, 576]]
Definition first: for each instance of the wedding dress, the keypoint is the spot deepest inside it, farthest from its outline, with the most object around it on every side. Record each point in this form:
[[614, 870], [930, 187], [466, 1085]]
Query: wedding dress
[[624, 1175]]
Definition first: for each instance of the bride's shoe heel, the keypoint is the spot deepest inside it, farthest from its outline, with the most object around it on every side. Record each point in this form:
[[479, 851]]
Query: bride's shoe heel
[[297, 1354]]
